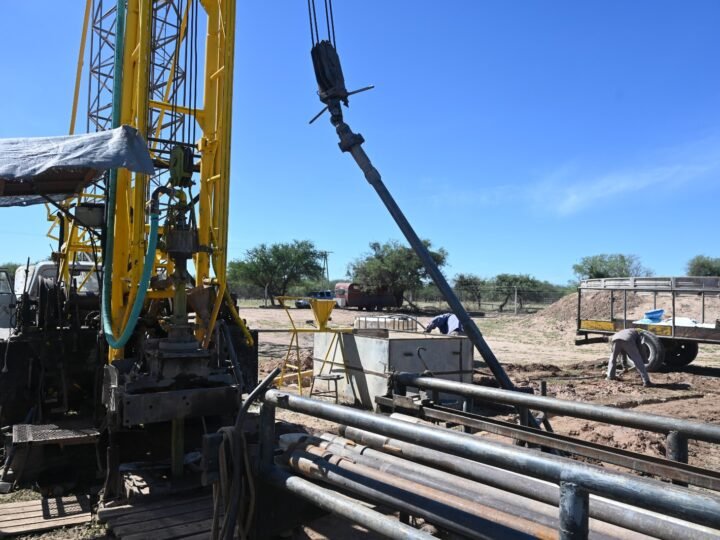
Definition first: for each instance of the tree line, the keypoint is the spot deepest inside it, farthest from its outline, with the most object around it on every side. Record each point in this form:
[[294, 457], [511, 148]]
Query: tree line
[[294, 268], [620, 265]]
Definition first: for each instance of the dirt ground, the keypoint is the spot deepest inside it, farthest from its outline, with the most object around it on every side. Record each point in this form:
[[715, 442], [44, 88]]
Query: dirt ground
[[541, 346]]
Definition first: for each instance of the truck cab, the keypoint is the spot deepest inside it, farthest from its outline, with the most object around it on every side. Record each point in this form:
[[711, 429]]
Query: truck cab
[[28, 278], [7, 300]]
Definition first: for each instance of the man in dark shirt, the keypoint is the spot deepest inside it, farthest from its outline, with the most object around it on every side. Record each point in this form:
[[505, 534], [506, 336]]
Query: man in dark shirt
[[447, 323], [628, 342]]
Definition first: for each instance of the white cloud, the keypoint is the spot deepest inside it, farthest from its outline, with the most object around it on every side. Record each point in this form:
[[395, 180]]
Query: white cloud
[[574, 186], [569, 189]]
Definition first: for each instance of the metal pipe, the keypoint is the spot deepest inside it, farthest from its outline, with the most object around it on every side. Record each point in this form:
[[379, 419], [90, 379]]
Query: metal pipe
[[339, 504], [674, 316], [509, 503], [578, 317], [352, 142], [412, 500], [267, 436], [458, 492], [600, 413], [624, 309], [452, 496], [680, 472], [676, 449], [574, 512], [649, 494], [658, 526]]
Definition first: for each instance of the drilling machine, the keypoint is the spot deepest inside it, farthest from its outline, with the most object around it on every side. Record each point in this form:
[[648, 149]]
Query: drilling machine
[[173, 355]]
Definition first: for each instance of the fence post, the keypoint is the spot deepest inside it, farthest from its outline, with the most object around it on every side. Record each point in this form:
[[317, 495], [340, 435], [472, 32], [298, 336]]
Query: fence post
[[516, 305]]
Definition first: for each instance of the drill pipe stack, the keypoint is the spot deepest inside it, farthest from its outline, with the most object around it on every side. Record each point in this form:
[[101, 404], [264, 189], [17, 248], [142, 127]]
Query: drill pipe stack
[[481, 489]]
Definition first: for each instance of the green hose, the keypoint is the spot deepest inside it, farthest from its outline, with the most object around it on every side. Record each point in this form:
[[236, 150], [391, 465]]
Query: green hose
[[119, 342]]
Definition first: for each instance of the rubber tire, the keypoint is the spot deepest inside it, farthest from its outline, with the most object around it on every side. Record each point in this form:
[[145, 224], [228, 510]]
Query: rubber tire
[[653, 351], [679, 353]]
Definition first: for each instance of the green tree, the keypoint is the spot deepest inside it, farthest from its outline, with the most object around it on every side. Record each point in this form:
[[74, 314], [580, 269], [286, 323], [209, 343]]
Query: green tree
[[308, 285], [471, 286], [427, 293], [10, 267], [610, 266], [277, 267], [700, 265], [528, 288], [394, 268]]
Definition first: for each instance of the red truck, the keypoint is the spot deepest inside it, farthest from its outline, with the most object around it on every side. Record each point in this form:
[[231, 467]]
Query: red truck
[[351, 295]]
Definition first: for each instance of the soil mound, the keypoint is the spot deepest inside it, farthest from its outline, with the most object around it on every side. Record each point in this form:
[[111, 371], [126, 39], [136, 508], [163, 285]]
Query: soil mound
[[564, 309], [595, 305]]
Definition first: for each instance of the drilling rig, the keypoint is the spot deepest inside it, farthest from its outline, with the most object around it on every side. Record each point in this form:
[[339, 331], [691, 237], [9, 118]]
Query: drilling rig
[[159, 362], [162, 345]]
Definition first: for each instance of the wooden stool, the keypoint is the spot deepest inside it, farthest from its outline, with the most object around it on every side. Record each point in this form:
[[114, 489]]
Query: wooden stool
[[330, 377]]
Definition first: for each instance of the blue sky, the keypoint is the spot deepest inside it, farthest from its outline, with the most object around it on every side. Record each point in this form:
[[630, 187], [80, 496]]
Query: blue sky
[[519, 136]]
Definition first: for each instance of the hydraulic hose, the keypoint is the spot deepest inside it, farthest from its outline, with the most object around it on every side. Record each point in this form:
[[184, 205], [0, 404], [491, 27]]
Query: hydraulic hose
[[112, 180], [113, 341], [119, 342]]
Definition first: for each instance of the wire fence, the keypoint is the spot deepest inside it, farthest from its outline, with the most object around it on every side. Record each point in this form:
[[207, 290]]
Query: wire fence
[[487, 300], [507, 300]]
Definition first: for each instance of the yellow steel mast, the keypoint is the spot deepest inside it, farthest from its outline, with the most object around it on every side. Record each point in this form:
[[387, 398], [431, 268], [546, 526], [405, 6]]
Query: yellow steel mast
[[155, 77]]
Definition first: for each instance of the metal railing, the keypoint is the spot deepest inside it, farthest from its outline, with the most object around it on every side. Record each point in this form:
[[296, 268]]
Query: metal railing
[[680, 284]]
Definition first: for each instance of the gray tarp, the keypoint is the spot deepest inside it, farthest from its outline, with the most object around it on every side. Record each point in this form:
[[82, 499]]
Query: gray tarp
[[57, 167]]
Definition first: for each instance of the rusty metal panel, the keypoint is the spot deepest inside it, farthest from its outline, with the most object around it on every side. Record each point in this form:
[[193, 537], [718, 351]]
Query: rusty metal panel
[[154, 407]]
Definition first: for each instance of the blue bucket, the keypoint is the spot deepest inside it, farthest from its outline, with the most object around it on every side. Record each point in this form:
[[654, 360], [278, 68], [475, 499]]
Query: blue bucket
[[655, 314]]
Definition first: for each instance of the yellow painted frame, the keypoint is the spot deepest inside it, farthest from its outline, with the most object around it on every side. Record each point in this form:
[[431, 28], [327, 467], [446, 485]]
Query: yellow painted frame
[[215, 121]]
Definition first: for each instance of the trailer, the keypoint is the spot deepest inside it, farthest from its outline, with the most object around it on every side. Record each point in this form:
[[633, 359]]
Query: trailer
[[686, 312], [351, 295]]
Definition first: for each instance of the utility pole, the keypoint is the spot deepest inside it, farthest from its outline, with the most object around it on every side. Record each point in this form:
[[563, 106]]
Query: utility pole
[[326, 268]]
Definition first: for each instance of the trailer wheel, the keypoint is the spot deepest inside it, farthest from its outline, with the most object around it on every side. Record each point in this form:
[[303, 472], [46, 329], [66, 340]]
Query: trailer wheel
[[653, 351], [679, 353]]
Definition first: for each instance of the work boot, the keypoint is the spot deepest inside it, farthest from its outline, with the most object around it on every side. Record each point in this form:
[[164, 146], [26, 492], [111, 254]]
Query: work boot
[[648, 384]]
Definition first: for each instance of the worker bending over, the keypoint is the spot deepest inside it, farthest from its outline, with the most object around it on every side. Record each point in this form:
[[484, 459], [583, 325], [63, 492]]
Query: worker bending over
[[628, 342], [447, 323]]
